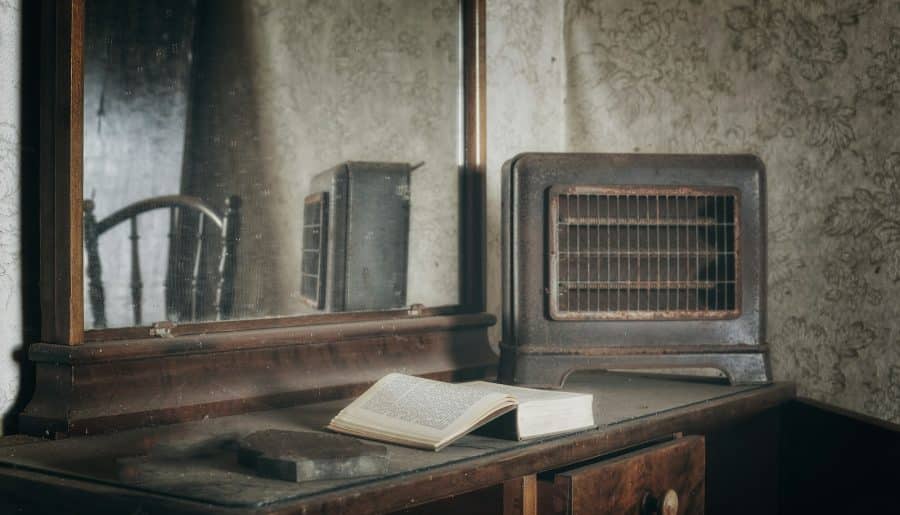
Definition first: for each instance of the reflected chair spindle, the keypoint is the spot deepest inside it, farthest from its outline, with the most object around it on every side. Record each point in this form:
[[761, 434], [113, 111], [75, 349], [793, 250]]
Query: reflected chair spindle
[[94, 269], [137, 286], [198, 280], [231, 231], [198, 271]]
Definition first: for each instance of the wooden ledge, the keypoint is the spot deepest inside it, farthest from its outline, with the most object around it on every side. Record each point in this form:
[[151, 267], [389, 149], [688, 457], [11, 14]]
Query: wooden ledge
[[120, 384], [149, 348]]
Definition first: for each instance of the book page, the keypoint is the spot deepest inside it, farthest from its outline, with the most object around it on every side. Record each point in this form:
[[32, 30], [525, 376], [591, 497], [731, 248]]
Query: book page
[[421, 401], [523, 395], [410, 409]]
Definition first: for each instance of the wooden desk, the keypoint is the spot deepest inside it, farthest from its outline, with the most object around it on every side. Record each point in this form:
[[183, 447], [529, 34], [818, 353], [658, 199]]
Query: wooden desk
[[630, 410]]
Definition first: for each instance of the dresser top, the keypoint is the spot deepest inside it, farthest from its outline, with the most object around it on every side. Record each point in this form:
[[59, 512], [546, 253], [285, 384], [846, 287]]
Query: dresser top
[[628, 408]]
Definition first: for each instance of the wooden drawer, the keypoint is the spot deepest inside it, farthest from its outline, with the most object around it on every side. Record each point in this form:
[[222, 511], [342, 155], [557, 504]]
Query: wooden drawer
[[667, 479]]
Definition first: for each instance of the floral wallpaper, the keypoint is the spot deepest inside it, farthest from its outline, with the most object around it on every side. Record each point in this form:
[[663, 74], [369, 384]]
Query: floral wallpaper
[[10, 271], [812, 87]]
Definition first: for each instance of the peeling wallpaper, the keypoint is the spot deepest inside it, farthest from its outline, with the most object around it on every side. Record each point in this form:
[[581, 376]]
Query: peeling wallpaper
[[10, 287], [811, 86]]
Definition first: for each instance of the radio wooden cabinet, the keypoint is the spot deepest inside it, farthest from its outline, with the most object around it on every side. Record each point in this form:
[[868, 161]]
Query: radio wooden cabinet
[[344, 273], [632, 261]]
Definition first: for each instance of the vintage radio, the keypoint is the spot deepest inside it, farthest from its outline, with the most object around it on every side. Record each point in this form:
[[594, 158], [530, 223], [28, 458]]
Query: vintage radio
[[355, 237], [628, 261]]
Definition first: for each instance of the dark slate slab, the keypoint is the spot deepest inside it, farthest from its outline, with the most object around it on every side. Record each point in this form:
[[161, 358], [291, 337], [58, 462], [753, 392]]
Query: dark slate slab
[[306, 456]]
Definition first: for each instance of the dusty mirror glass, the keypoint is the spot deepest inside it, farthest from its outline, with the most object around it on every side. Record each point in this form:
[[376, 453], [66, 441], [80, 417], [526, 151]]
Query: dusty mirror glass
[[260, 158]]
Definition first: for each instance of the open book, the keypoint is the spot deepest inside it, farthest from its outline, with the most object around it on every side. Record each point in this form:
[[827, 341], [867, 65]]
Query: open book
[[419, 412]]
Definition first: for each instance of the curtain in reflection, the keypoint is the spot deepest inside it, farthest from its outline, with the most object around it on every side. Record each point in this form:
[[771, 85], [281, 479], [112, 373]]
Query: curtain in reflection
[[222, 158], [136, 71]]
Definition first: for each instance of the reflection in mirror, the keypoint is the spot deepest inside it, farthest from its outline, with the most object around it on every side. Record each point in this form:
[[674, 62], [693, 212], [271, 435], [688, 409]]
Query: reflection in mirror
[[256, 158]]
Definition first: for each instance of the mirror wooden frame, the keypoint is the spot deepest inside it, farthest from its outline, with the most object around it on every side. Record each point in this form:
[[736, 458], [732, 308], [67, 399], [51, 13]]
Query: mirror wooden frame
[[109, 379]]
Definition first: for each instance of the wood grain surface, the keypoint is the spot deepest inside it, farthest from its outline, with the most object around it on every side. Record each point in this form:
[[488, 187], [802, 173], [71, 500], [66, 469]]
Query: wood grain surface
[[630, 483]]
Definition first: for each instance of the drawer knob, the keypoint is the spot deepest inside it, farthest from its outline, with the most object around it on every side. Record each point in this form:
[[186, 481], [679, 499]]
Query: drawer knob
[[668, 505]]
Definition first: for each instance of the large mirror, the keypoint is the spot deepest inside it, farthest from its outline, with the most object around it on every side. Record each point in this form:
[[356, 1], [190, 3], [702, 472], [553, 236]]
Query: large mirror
[[262, 158]]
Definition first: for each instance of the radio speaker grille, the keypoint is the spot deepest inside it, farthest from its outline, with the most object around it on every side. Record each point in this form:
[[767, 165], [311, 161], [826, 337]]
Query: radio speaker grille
[[643, 253], [315, 244]]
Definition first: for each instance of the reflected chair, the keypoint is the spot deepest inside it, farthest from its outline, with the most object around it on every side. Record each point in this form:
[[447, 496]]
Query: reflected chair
[[179, 304]]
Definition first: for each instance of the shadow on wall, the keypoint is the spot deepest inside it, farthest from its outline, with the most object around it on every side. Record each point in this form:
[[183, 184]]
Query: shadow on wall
[[222, 150], [29, 220]]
